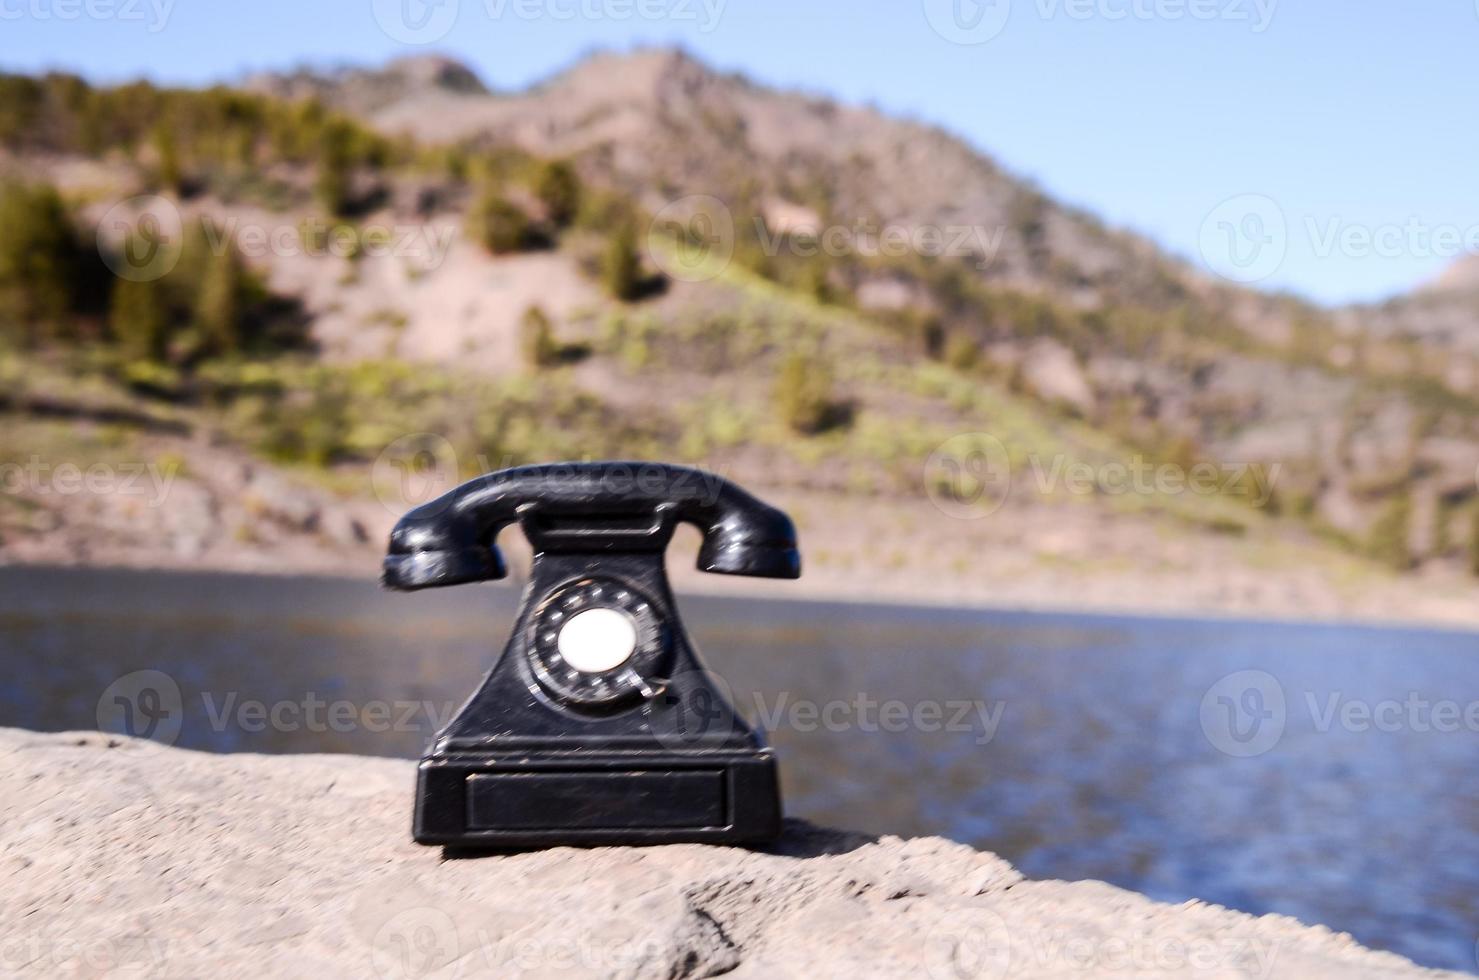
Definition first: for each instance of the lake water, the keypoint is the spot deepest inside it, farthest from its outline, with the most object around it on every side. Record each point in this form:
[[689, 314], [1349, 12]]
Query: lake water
[[1322, 772]]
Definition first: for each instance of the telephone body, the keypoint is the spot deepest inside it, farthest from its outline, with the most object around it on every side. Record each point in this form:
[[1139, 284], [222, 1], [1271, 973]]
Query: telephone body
[[598, 725]]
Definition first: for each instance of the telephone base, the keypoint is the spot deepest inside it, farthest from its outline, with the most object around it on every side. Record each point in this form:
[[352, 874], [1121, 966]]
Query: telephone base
[[546, 799]]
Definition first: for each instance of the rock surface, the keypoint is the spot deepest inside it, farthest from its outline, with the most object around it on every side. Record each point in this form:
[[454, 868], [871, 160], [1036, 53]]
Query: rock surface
[[127, 858]]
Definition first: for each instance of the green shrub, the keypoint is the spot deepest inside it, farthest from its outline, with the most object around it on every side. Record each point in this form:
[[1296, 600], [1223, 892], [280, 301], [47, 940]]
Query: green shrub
[[1474, 543], [558, 188], [537, 337], [961, 352], [1390, 532], [804, 395], [501, 227], [932, 337]]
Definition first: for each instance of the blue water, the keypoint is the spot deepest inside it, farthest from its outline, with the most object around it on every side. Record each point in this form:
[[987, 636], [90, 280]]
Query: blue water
[[1083, 747]]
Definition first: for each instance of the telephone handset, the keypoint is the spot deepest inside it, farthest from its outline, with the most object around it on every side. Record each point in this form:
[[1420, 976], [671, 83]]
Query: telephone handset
[[597, 725]]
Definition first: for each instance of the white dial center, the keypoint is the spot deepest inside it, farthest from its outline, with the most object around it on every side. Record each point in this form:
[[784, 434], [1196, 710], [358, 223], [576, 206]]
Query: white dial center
[[597, 640]]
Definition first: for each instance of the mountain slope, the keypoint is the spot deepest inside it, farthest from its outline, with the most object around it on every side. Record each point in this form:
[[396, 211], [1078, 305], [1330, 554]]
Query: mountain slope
[[1359, 407], [1068, 413]]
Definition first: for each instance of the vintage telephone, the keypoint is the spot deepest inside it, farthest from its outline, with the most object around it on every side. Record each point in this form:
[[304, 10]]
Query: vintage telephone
[[597, 725]]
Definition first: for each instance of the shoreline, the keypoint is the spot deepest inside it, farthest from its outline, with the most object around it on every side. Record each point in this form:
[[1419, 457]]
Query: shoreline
[[691, 584]]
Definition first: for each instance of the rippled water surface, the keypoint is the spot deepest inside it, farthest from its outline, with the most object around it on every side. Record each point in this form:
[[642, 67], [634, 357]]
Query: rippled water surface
[[1077, 747]]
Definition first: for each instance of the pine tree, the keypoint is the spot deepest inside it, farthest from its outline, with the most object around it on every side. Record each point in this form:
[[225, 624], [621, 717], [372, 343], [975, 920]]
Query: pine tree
[[139, 318], [1474, 543], [621, 263], [220, 303], [167, 165], [335, 166], [41, 265]]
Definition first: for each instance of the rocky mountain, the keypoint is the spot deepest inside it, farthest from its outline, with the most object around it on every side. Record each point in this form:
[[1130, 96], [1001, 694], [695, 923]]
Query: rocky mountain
[[1442, 314], [366, 90], [877, 325], [664, 125], [1355, 404]]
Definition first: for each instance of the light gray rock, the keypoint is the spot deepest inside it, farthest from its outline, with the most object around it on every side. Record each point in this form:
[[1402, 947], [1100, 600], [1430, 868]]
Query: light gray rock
[[126, 858], [1053, 373]]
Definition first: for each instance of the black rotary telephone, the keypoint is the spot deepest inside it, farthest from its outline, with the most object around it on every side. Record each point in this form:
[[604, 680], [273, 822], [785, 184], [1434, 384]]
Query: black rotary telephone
[[597, 725]]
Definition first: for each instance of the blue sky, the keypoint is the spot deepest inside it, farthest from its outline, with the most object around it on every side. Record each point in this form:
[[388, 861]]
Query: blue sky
[[1343, 129]]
